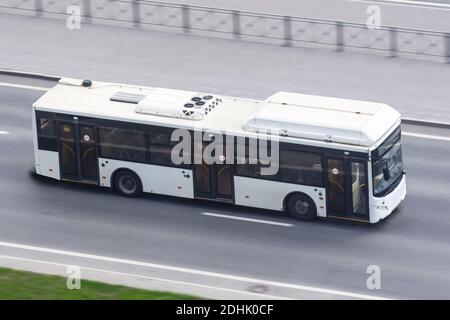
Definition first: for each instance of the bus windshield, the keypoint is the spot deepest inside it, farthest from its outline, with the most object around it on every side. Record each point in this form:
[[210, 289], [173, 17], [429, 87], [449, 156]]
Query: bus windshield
[[388, 154]]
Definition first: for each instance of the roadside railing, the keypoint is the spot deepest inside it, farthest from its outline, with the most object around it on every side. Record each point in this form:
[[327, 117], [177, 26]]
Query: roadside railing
[[242, 25]]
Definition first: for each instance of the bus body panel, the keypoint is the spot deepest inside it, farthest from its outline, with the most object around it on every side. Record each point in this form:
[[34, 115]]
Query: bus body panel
[[47, 164], [383, 206], [270, 195], [155, 179]]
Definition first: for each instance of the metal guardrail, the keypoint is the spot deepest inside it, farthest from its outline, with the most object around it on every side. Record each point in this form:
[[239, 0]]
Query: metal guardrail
[[287, 30]]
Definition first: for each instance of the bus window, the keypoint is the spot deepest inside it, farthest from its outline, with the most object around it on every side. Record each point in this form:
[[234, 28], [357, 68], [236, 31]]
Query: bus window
[[47, 127], [301, 167], [247, 164], [159, 138], [128, 145], [160, 146], [46, 132], [160, 155]]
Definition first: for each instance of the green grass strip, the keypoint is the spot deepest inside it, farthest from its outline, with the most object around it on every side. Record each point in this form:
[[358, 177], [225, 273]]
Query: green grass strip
[[23, 285]]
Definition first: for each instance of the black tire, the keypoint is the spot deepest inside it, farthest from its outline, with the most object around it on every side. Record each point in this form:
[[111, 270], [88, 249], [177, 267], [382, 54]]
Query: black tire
[[302, 207], [128, 184]]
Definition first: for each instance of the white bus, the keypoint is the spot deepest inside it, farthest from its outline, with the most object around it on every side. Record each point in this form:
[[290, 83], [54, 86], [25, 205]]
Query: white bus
[[336, 158]]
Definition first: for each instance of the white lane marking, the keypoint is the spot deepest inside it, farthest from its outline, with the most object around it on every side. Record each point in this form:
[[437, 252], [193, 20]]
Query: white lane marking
[[4, 132], [409, 3], [282, 224], [132, 275], [22, 86], [194, 271], [426, 136]]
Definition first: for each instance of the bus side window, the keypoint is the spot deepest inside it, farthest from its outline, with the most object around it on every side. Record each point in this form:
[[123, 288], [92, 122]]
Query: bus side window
[[46, 132], [301, 167], [160, 148], [121, 144], [248, 163], [47, 127]]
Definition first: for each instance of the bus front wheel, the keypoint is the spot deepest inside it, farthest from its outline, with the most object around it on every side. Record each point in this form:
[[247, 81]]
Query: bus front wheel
[[127, 184], [302, 207]]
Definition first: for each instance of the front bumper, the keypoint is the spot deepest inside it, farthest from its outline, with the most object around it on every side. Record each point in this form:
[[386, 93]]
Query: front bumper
[[382, 207]]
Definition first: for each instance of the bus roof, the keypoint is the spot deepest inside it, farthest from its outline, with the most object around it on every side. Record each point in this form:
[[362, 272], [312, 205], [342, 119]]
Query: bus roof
[[324, 118], [293, 115]]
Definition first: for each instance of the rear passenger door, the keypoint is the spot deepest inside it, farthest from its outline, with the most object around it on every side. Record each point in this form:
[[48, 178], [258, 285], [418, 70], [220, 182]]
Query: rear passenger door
[[68, 150], [213, 181], [78, 151]]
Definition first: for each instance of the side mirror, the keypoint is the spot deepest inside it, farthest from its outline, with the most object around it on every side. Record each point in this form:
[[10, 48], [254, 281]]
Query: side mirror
[[386, 174]]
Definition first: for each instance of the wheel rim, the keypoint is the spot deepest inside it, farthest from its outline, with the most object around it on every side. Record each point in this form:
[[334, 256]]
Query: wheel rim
[[127, 184], [301, 206]]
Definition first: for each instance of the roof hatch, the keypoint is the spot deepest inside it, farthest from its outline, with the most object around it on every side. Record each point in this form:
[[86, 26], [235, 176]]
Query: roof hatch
[[127, 97]]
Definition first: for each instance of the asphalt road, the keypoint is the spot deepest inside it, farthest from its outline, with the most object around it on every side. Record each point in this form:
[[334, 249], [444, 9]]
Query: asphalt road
[[412, 248]]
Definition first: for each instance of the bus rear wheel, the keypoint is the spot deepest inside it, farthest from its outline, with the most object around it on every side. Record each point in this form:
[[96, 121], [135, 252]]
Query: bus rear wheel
[[127, 184], [302, 207]]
